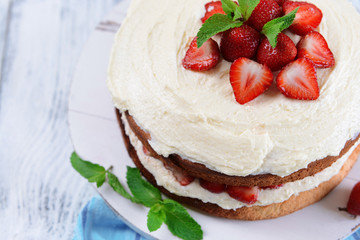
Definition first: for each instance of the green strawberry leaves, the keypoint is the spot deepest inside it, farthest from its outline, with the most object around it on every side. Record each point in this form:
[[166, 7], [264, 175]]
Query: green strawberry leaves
[[167, 211]]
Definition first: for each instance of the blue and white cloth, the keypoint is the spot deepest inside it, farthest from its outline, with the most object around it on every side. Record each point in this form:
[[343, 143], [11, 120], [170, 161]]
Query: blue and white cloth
[[98, 222]]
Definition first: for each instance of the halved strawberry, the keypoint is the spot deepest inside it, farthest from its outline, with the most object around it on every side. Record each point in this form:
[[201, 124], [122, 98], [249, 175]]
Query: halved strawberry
[[308, 17], [248, 195], [239, 42], [203, 58], [146, 151], [212, 187], [353, 205], [211, 8], [249, 79], [313, 46], [181, 177], [298, 80], [264, 12], [276, 58]]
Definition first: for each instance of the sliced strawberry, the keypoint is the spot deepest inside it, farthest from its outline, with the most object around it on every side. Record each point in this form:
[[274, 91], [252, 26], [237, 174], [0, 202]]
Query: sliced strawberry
[[249, 79], [239, 42], [146, 152], [353, 205], [308, 17], [273, 186], [212, 187], [313, 46], [298, 80], [276, 58], [248, 195], [203, 58], [182, 178], [264, 12], [212, 8]]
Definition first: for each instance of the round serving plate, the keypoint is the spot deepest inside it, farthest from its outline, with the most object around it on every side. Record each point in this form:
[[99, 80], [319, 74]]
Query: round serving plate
[[96, 137]]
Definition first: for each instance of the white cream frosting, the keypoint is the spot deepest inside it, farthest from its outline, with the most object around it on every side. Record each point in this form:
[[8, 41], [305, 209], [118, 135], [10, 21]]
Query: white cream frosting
[[195, 115], [166, 179]]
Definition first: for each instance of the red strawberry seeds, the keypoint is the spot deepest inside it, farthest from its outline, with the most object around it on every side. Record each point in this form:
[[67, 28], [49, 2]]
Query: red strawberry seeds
[[239, 42], [313, 46], [308, 17], [276, 58], [298, 80], [248, 195], [203, 58], [353, 205], [266, 11], [212, 8], [249, 79]]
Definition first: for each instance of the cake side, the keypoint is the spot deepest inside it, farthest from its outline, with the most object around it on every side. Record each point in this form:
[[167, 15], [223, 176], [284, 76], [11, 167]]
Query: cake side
[[255, 212]]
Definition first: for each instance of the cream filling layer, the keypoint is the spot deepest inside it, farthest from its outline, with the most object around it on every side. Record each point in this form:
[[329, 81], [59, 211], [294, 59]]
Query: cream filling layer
[[195, 114], [165, 178]]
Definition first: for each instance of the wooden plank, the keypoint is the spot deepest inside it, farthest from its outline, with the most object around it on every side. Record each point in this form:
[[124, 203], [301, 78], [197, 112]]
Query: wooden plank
[[42, 194], [4, 23]]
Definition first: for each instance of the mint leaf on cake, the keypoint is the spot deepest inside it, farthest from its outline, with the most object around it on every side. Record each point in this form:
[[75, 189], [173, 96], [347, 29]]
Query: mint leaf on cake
[[167, 211]]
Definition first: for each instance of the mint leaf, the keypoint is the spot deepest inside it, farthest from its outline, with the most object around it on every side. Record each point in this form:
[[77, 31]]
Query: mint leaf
[[142, 190], [116, 185], [215, 24], [179, 221], [155, 217], [92, 172], [231, 9], [273, 28], [247, 7]]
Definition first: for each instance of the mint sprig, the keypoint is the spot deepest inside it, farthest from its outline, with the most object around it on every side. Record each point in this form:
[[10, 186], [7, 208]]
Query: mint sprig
[[215, 24], [273, 28], [167, 211], [235, 16]]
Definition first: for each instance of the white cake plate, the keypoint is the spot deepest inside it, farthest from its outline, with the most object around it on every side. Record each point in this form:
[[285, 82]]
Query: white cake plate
[[96, 137]]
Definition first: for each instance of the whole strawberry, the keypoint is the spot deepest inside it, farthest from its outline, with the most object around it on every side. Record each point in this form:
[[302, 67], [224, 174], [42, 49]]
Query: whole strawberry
[[264, 12], [239, 42], [276, 58], [353, 205], [281, 2], [307, 18]]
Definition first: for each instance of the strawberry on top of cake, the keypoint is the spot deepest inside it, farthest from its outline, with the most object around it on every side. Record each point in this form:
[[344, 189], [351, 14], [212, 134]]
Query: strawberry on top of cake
[[194, 109]]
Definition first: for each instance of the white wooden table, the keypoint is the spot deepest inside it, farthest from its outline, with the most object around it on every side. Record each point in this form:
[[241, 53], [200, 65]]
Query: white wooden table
[[40, 42]]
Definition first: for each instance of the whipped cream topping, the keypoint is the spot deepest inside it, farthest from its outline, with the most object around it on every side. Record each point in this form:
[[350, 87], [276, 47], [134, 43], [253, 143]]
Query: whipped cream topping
[[195, 115], [165, 178]]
